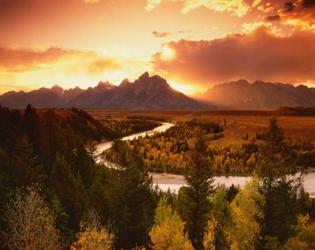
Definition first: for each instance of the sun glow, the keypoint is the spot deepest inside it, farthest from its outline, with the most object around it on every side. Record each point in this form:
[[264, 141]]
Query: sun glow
[[167, 53], [186, 89]]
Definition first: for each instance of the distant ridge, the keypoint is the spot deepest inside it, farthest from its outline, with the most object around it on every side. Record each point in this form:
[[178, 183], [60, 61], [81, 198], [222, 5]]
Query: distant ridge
[[147, 92], [259, 95]]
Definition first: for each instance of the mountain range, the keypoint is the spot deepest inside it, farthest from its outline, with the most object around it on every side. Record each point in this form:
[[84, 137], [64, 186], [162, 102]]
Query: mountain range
[[147, 92], [153, 92], [258, 95]]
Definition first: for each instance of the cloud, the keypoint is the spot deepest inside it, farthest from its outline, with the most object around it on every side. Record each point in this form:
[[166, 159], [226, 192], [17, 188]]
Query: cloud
[[235, 7], [28, 59], [101, 65], [259, 54], [161, 34], [21, 59], [300, 13], [152, 4]]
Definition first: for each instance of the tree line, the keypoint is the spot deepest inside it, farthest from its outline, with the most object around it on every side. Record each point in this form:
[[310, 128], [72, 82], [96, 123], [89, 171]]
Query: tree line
[[170, 151]]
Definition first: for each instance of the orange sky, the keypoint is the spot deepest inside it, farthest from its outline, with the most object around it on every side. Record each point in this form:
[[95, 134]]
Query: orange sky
[[193, 43]]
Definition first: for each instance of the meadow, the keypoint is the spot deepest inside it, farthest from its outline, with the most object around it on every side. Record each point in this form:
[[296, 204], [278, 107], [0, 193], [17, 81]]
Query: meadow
[[238, 123]]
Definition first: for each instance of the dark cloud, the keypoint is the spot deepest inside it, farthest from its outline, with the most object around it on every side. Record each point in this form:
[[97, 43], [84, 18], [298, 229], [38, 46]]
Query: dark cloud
[[273, 18], [288, 6], [299, 10], [309, 3], [161, 34], [257, 55]]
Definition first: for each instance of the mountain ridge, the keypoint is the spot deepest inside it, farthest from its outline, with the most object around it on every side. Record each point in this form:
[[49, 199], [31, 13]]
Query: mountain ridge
[[258, 95], [146, 92]]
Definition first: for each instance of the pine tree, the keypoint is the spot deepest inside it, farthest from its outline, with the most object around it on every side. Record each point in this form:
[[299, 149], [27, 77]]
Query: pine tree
[[279, 190], [194, 202], [132, 202]]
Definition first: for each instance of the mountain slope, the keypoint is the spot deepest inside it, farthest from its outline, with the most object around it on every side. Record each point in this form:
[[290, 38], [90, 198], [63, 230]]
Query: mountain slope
[[145, 93], [259, 95]]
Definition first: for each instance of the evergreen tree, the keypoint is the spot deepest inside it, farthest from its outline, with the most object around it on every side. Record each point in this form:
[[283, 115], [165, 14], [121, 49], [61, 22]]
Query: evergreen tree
[[131, 200], [278, 189], [68, 187], [194, 202]]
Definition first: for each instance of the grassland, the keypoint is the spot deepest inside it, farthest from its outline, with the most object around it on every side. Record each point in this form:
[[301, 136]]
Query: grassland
[[238, 123]]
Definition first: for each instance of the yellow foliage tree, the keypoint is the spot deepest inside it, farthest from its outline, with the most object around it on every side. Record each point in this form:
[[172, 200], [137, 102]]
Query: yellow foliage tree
[[168, 231], [210, 235], [93, 236], [246, 211], [93, 239], [30, 222]]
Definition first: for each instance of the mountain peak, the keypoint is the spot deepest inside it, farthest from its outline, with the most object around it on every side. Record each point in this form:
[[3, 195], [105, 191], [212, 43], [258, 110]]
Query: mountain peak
[[104, 85], [57, 89], [125, 82], [144, 76]]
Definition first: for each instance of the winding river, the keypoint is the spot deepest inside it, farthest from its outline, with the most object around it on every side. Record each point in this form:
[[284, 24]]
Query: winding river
[[174, 182]]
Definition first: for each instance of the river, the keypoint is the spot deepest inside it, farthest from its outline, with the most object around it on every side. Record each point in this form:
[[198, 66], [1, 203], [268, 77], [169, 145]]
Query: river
[[174, 182]]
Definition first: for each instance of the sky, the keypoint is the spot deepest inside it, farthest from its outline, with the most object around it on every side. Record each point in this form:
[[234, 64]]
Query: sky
[[194, 44]]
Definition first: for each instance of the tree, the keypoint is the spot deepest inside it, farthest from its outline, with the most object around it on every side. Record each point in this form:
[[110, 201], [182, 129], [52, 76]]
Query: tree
[[274, 135], [247, 214], [132, 202], [68, 187], [210, 236], [93, 236], [194, 200], [220, 223], [168, 229], [279, 189], [305, 235], [30, 223]]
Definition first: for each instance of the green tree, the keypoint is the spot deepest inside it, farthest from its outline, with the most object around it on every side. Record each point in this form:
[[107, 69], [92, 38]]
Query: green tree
[[247, 215], [194, 200], [68, 187], [221, 218], [279, 189], [131, 199]]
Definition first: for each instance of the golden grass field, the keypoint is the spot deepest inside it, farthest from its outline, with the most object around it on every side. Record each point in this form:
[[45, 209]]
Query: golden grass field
[[239, 123]]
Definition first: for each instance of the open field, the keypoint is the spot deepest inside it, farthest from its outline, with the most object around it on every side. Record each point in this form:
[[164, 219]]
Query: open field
[[239, 123]]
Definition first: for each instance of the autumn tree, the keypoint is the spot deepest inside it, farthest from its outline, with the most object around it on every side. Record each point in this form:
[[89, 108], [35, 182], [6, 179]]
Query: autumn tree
[[168, 229], [30, 224], [247, 215], [93, 236], [219, 226], [194, 202], [304, 238]]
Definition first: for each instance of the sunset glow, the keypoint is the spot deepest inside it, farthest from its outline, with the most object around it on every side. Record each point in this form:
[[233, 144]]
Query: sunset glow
[[199, 43]]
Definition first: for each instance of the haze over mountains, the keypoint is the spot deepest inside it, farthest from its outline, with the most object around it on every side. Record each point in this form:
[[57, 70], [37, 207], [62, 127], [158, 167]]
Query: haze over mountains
[[153, 92], [259, 95]]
